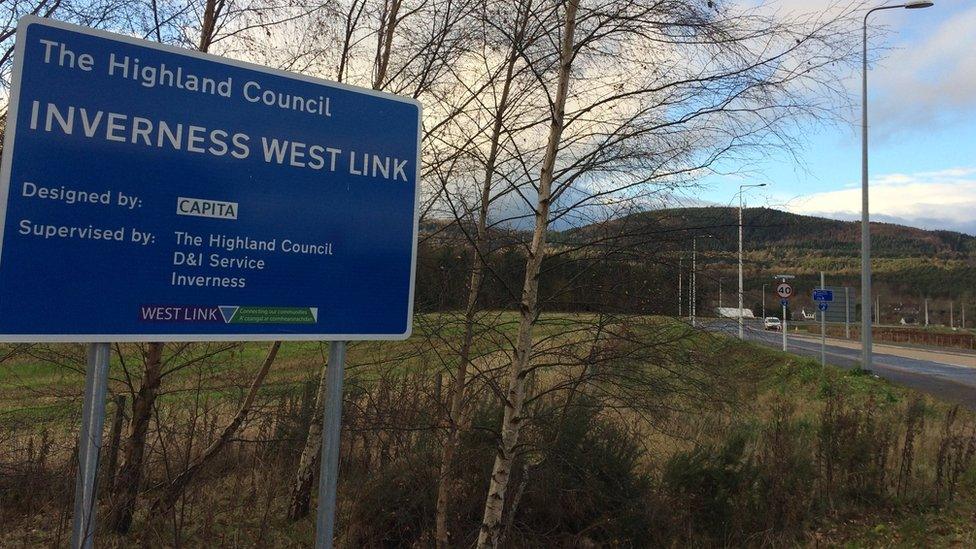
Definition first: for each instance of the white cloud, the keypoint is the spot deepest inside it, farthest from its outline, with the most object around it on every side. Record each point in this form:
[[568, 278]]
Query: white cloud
[[930, 78], [923, 74], [943, 199]]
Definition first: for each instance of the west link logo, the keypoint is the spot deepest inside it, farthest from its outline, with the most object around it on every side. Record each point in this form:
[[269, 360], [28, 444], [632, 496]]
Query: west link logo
[[179, 313]]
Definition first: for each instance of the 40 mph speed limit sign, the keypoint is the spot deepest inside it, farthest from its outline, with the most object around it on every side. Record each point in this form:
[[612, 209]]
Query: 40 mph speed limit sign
[[784, 290]]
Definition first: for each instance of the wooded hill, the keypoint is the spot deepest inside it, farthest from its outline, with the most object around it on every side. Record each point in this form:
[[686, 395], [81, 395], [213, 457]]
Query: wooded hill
[[634, 261], [909, 264], [788, 233]]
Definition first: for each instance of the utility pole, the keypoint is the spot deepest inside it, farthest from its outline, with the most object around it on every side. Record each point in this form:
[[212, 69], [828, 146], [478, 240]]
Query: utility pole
[[680, 294], [952, 322], [926, 311], [764, 301], [847, 312], [741, 321], [694, 281]]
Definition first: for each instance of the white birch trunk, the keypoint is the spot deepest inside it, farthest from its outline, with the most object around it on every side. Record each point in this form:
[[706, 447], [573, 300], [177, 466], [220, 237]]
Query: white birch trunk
[[458, 420], [491, 523], [308, 464]]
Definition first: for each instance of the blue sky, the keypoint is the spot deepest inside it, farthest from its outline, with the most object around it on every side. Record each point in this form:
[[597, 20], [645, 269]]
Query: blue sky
[[923, 131]]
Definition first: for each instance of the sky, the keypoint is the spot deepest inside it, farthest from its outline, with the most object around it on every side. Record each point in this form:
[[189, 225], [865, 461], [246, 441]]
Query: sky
[[922, 113]]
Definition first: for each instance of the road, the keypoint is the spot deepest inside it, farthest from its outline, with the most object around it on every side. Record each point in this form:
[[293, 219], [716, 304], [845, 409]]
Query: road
[[948, 374]]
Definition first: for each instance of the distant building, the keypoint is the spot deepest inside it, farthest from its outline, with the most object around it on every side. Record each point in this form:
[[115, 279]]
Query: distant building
[[733, 312]]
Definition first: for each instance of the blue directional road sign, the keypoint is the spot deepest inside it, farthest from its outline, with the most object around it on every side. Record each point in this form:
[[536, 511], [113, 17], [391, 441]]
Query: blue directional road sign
[[822, 305], [823, 295], [154, 193], [784, 302]]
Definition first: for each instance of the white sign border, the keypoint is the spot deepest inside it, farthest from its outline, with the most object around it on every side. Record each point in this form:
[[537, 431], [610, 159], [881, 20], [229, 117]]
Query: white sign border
[[7, 162]]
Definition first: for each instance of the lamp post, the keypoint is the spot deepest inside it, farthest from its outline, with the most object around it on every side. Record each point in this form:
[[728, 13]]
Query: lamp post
[[742, 188], [866, 359], [764, 301]]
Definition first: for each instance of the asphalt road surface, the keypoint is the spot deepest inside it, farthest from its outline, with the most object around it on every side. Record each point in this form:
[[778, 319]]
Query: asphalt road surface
[[948, 374]]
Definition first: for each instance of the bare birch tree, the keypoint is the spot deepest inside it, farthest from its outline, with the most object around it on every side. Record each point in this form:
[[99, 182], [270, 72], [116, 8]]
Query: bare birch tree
[[508, 30], [220, 19], [645, 94], [515, 394], [409, 59]]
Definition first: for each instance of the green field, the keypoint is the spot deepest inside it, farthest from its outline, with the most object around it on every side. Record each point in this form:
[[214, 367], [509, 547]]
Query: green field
[[682, 438]]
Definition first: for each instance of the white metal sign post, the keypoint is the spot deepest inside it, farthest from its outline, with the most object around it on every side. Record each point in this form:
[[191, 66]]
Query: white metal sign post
[[329, 457], [785, 291], [823, 297], [247, 218], [823, 326], [785, 302], [90, 445]]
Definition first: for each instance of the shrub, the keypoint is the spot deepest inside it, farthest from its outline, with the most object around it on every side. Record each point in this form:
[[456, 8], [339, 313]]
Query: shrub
[[703, 484], [588, 485], [393, 507], [783, 495], [854, 450]]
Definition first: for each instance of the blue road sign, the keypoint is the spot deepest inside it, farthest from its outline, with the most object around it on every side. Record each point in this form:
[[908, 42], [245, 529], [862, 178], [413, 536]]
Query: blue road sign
[[155, 193], [784, 302], [822, 305], [823, 295]]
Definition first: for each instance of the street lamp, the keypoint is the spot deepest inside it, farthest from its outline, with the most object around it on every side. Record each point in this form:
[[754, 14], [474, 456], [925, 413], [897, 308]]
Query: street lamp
[[742, 188], [866, 359]]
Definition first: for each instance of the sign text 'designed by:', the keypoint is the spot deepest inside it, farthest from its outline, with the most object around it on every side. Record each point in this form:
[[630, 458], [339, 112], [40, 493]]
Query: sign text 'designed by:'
[[153, 193]]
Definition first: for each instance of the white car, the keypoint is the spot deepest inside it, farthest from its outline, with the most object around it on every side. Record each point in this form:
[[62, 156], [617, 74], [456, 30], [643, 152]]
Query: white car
[[772, 323]]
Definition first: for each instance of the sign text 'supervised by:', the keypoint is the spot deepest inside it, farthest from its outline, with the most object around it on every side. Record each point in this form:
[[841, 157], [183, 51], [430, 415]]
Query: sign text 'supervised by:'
[[153, 193]]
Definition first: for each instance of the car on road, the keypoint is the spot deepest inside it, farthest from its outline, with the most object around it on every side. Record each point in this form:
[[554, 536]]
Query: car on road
[[772, 323]]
